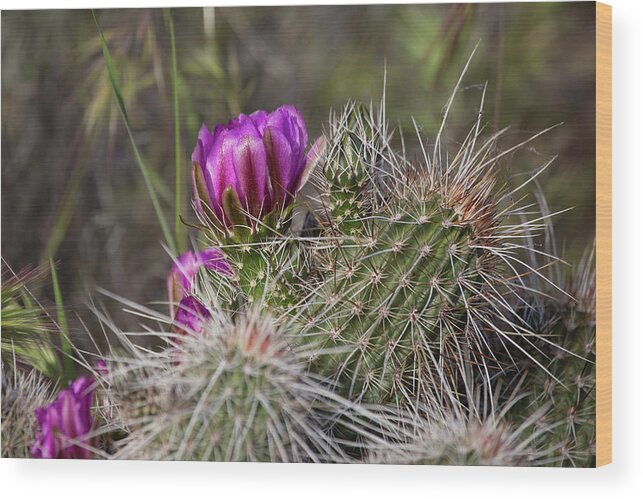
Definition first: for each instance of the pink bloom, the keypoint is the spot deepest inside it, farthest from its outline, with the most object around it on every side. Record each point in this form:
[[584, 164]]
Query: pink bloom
[[65, 424], [259, 158], [188, 312], [191, 315], [181, 280]]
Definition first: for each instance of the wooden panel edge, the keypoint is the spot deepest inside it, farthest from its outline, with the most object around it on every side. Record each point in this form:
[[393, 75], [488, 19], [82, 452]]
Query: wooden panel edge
[[603, 234]]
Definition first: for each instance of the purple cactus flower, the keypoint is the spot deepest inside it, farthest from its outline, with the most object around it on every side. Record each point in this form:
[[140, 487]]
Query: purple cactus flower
[[191, 315], [66, 422], [256, 162], [182, 277]]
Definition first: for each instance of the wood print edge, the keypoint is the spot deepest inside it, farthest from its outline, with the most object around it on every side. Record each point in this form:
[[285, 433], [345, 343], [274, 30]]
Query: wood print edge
[[603, 234]]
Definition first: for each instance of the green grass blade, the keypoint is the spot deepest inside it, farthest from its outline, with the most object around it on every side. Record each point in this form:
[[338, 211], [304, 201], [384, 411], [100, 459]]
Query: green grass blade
[[25, 327], [65, 212], [147, 176], [179, 228], [69, 368]]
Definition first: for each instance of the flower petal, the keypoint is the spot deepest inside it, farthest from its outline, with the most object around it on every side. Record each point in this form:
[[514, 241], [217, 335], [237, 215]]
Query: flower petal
[[191, 315], [182, 276], [65, 420], [221, 166], [314, 158], [291, 124], [279, 157], [204, 143], [261, 157], [251, 171]]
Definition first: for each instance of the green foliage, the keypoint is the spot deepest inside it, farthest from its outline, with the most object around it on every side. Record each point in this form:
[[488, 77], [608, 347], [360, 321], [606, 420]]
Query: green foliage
[[26, 328], [69, 367], [147, 173], [179, 172]]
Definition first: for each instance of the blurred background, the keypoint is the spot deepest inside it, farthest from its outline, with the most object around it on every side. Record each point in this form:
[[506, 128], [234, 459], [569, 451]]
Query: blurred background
[[72, 190]]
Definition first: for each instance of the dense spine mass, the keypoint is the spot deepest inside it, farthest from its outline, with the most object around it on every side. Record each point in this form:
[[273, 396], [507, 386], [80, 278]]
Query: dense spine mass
[[568, 388], [409, 264], [238, 392], [22, 393], [458, 441]]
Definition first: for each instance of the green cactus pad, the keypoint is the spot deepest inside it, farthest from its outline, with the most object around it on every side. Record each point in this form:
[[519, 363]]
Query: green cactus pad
[[390, 295]]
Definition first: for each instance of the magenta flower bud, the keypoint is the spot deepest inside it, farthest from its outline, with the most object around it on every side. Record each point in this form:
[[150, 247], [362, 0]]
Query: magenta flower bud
[[182, 277], [65, 424], [250, 167], [191, 315]]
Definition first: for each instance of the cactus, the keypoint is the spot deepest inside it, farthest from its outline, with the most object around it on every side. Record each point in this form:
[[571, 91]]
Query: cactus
[[22, 393], [236, 392], [457, 441], [413, 263], [473, 429], [568, 386]]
